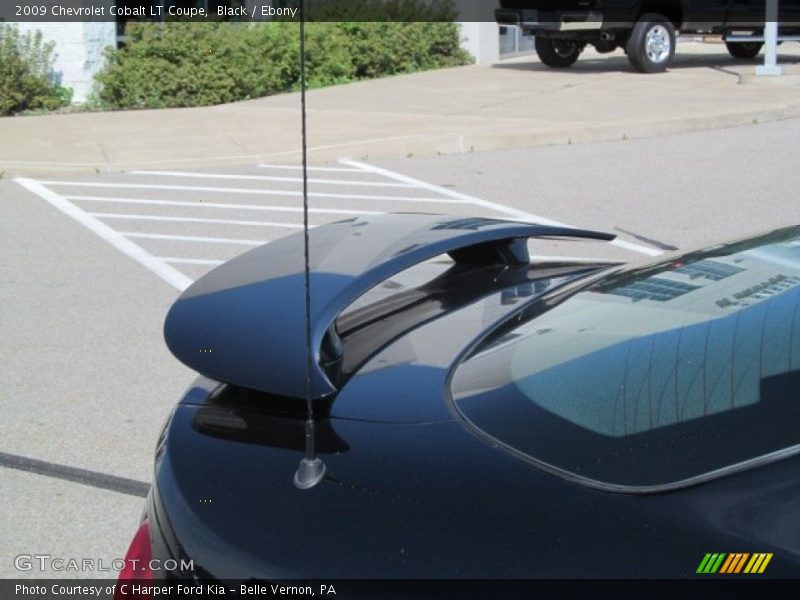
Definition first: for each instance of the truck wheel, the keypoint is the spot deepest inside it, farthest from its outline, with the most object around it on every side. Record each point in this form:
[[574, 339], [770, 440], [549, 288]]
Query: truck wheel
[[743, 49], [556, 53], [651, 45]]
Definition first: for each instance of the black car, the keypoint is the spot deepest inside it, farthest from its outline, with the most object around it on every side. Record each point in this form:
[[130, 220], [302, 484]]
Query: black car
[[481, 414]]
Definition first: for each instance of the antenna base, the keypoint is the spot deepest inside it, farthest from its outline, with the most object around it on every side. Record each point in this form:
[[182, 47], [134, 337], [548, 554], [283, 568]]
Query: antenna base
[[309, 473]]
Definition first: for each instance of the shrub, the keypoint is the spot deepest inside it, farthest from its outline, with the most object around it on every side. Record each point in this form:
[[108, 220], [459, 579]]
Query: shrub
[[365, 11], [382, 48], [26, 64], [200, 63], [174, 64]]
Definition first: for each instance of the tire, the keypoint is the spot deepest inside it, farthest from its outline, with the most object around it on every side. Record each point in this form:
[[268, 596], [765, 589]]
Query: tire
[[558, 54], [651, 45], [744, 50]]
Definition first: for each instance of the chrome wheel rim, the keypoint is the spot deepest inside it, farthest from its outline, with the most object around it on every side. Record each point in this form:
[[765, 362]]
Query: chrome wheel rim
[[657, 44]]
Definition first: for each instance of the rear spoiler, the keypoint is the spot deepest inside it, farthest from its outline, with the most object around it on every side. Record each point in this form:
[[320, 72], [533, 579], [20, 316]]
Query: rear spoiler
[[244, 322]]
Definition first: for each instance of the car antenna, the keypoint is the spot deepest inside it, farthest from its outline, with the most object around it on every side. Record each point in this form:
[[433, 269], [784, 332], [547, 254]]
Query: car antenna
[[311, 469]]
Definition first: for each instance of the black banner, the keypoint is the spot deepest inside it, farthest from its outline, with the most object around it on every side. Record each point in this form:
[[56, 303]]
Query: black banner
[[245, 10], [105, 589], [350, 10]]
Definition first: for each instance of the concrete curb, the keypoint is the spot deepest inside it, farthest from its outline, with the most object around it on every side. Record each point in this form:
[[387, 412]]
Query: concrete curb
[[457, 143]]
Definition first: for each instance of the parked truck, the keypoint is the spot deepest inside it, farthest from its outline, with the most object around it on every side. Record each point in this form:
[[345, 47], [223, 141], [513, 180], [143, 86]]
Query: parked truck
[[644, 29]]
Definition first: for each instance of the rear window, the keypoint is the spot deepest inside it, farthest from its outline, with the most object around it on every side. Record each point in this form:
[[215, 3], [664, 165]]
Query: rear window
[[651, 378]]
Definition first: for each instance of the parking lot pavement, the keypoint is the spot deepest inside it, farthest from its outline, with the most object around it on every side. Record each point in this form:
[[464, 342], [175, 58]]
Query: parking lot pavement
[[87, 383], [56, 519], [680, 191]]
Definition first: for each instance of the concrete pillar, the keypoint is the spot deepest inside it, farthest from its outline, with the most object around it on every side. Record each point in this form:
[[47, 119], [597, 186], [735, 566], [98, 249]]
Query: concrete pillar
[[770, 66], [480, 35], [482, 40]]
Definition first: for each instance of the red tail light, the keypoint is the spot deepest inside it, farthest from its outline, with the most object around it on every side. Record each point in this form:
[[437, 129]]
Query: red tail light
[[137, 566]]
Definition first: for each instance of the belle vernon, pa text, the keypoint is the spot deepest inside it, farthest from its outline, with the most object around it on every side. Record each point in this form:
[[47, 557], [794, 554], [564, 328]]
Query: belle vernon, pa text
[[189, 591], [255, 12]]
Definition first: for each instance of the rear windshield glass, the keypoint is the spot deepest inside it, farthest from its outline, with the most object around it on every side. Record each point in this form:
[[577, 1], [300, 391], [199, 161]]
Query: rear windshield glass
[[652, 377]]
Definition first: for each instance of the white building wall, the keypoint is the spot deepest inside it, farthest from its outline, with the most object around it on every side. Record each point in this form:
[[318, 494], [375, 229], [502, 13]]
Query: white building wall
[[78, 51], [480, 35], [482, 40]]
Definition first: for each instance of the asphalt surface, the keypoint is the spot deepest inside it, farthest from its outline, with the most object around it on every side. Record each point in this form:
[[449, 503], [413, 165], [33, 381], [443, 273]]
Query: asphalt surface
[[676, 191], [92, 263]]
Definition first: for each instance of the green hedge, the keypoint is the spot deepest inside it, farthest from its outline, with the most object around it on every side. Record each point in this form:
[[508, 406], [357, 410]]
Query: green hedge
[[26, 64], [197, 64], [378, 10]]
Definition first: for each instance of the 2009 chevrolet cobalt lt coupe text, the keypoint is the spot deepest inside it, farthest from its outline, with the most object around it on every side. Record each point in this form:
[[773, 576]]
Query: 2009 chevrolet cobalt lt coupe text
[[478, 414]]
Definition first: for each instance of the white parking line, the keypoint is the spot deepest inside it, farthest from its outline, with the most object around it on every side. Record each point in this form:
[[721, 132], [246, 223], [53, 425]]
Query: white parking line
[[191, 238], [190, 175], [203, 204], [320, 169], [257, 192], [514, 212], [196, 220], [116, 239], [190, 261]]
